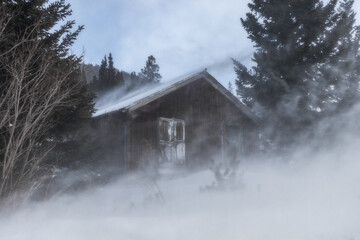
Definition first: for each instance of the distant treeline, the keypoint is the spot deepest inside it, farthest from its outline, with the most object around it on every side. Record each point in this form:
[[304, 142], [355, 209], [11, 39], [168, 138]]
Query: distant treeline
[[104, 77]]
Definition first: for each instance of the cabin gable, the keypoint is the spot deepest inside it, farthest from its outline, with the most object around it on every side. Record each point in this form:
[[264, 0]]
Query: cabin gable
[[192, 122]]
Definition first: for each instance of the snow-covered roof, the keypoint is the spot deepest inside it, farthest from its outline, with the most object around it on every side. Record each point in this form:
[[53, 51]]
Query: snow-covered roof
[[147, 94], [139, 95]]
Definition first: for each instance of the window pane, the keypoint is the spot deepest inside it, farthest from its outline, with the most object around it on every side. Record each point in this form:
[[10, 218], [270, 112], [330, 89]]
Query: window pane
[[179, 131], [165, 130]]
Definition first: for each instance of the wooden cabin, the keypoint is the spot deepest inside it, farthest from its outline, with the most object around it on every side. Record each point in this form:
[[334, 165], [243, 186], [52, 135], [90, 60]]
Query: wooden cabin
[[187, 121]]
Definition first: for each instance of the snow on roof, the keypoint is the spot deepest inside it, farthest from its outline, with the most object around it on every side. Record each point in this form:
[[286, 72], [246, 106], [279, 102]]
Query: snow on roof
[[107, 104], [142, 96]]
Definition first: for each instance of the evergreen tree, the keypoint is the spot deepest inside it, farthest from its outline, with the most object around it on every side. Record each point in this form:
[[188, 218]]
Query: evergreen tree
[[134, 81], [109, 76], [150, 73], [111, 71], [103, 75], [94, 85], [306, 61], [76, 116], [119, 79], [43, 96]]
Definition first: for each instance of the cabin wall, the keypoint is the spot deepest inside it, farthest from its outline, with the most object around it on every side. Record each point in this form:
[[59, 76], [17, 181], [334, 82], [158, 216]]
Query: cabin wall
[[204, 110]]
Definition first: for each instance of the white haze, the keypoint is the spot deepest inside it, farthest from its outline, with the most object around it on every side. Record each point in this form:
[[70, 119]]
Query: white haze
[[118, 98], [312, 194]]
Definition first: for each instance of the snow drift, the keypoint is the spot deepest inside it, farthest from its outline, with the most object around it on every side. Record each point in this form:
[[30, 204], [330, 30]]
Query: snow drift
[[312, 194]]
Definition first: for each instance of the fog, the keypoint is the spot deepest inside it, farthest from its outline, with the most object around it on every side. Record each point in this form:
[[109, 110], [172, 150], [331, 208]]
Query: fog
[[314, 193]]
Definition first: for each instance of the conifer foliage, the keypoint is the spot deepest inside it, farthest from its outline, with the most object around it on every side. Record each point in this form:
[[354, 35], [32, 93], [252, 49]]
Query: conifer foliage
[[109, 77], [306, 61], [150, 73], [42, 94]]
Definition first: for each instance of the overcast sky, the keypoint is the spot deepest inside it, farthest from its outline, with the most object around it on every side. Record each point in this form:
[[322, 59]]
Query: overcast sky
[[184, 36]]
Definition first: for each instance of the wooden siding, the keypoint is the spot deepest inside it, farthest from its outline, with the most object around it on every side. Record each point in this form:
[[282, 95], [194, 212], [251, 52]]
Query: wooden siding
[[202, 107]]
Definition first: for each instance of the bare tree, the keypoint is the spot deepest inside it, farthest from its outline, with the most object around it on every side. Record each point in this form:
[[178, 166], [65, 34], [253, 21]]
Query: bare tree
[[36, 85]]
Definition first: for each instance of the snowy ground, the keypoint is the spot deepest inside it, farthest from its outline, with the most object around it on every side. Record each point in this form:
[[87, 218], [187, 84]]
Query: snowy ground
[[317, 199], [315, 194]]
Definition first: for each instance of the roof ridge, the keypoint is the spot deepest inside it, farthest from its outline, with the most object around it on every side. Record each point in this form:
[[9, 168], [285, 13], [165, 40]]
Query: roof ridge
[[136, 101]]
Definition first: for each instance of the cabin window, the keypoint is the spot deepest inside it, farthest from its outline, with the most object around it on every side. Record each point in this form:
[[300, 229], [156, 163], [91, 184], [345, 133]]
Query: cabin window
[[172, 140], [179, 134], [165, 130], [171, 130]]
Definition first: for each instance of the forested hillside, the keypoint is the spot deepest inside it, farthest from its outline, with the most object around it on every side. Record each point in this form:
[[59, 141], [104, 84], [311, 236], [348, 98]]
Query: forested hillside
[[105, 77]]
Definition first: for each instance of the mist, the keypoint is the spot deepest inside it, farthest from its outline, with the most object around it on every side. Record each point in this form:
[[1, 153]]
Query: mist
[[122, 175], [312, 193]]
